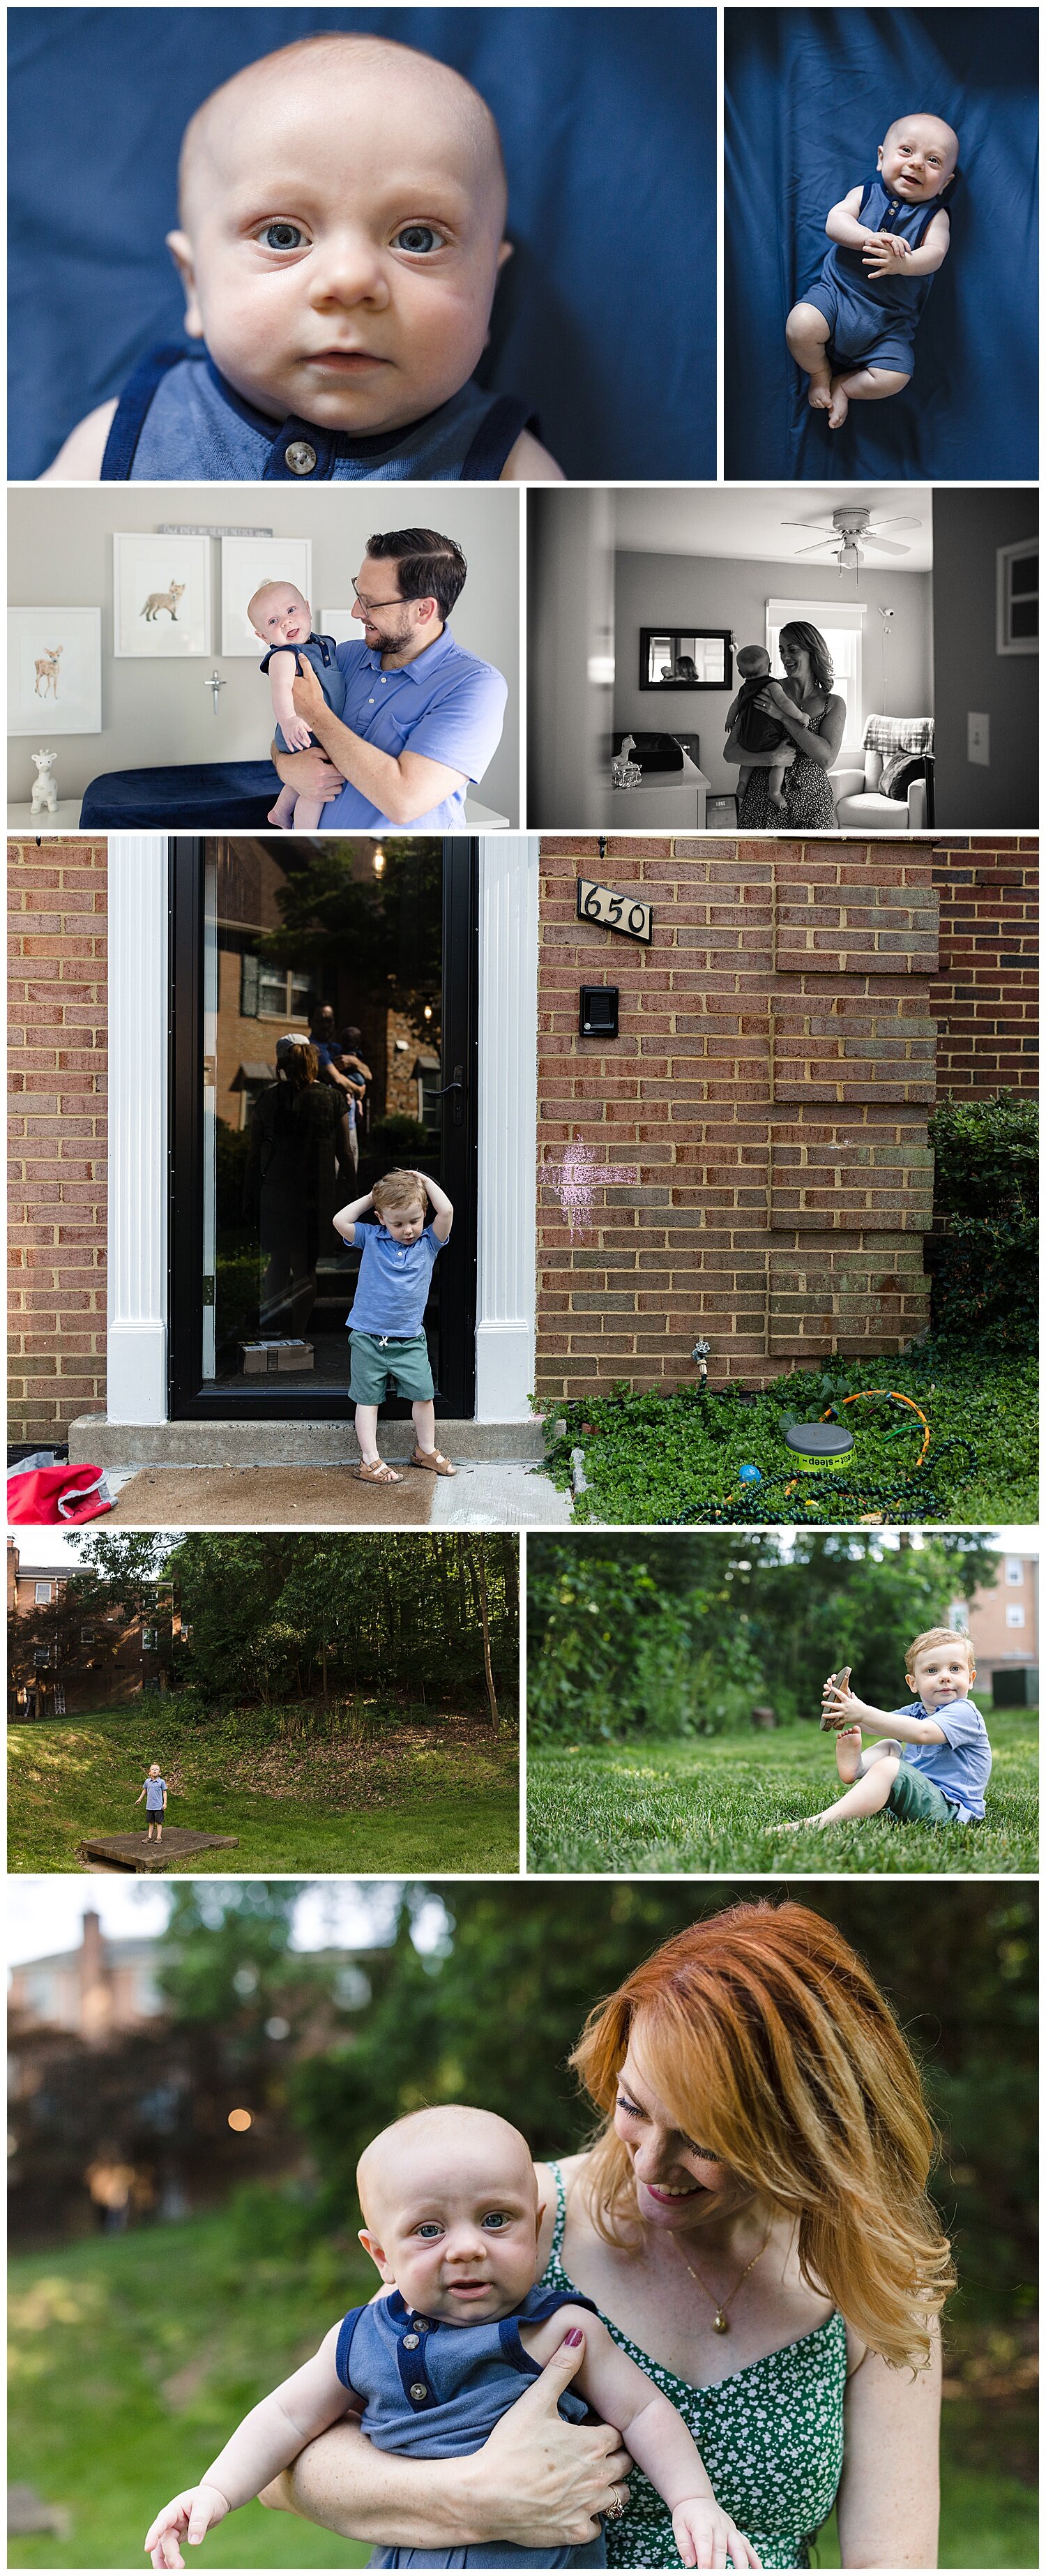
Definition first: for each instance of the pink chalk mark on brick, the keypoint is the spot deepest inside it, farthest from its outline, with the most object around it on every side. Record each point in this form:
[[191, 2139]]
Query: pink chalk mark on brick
[[576, 1178]]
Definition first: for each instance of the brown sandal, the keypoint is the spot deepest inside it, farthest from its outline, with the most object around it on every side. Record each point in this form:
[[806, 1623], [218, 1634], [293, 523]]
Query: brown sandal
[[373, 1471], [433, 1461]]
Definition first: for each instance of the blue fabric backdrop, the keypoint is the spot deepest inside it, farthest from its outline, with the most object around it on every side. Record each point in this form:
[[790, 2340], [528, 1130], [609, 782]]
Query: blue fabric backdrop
[[605, 318], [809, 95]]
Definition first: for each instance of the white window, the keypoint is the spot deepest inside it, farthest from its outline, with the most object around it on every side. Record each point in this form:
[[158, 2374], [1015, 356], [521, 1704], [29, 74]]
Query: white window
[[1015, 1614], [842, 625], [1015, 1569], [42, 1591], [959, 1616]]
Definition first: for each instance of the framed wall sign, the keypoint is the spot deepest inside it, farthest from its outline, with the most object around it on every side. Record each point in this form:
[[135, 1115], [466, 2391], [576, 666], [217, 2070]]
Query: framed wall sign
[[612, 911], [54, 670], [161, 597], [701, 659], [246, 563]]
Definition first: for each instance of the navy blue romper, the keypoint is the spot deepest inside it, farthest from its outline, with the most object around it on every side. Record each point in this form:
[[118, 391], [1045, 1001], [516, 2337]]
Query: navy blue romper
[[178, 421], [435, 2392], [872, 320], [319, 650]]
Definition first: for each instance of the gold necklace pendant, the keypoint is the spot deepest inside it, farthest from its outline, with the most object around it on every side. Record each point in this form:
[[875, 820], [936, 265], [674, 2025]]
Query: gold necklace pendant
[[720, 2323]]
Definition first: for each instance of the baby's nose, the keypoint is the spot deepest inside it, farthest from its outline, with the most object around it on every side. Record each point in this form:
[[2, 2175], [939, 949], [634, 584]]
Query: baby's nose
[[347, 269]]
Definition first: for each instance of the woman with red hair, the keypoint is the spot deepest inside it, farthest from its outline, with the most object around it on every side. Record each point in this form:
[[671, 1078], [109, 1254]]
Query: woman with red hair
[[752, 2223]]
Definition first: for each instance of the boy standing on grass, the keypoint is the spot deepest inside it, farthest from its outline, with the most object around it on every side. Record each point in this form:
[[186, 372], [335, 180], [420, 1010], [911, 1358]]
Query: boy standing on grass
[[933, 1764], [386, 1320], [154, 1792]]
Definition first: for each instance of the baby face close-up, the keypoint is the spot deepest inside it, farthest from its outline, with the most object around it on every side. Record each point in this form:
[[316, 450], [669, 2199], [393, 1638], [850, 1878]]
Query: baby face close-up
[[342, 211], [918, 155], [450, 2199], [279, 615]]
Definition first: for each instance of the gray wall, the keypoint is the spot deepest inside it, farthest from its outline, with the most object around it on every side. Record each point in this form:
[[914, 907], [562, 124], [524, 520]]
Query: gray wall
[[570, 589], [689, 590], [60, 555], [971, 678]]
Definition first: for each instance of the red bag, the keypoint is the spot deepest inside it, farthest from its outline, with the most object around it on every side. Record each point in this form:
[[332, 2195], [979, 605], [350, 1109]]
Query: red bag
[[49, 1494]]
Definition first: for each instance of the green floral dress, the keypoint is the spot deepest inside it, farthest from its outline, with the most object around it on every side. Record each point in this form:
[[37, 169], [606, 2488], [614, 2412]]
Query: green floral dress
[[770, 2436]]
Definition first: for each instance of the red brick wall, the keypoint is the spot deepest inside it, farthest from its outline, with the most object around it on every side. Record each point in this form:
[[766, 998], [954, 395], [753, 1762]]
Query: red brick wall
[[985, 994], [765, 1105], [57, 1135]]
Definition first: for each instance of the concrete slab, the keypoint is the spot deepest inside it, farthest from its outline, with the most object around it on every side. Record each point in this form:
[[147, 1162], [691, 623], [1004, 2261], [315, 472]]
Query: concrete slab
[[506, 1493], [282, 1444]]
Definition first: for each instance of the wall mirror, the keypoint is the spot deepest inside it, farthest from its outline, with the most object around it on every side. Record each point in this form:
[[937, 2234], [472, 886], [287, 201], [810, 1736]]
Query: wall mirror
[[700, 659]]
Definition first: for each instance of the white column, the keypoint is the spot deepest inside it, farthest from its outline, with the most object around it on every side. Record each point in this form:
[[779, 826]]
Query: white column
[[138, 1004], [508, 994]]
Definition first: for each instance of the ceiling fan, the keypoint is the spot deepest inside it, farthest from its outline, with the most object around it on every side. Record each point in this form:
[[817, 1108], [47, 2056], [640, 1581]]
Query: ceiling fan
[[851, 530]]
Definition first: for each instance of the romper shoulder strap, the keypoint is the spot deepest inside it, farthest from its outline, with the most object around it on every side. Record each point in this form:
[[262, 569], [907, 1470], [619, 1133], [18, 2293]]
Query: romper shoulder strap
[[495, 438], [132, 412]]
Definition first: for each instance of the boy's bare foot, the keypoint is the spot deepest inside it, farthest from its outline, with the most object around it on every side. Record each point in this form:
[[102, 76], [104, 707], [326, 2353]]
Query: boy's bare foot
[[819, 389], [838, 407], [848, 1745]]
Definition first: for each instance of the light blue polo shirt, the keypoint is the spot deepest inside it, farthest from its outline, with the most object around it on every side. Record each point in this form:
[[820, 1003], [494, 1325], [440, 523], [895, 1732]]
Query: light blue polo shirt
[[959, 1767], [393, 1285], [446, 704]]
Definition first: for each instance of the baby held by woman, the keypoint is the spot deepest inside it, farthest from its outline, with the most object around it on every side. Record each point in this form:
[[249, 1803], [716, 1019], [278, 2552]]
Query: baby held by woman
[[450, 2201]]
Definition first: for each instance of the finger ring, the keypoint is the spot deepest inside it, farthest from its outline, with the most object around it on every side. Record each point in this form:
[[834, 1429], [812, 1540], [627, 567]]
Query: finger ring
[[617, 2508]]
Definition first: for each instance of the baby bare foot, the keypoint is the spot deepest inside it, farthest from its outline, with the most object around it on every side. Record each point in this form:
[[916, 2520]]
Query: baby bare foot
[[819, 390], [777, 804], [840, 405]]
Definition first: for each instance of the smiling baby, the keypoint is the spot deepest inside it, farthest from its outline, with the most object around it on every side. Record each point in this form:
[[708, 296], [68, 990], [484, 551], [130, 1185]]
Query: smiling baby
[[341, 228]]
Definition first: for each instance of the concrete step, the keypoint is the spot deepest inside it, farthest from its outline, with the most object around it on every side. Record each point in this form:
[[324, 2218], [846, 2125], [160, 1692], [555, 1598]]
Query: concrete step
[[282, 1444]]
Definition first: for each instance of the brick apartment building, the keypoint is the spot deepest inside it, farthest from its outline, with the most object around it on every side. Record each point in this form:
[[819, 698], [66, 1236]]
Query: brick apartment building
[[1002, 1621], [102, 1661], [761, 1117]]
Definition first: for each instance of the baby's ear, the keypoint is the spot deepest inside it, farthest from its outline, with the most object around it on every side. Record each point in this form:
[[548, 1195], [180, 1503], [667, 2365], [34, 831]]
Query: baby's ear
[[371, 2246], [180, 248], [505, 253]]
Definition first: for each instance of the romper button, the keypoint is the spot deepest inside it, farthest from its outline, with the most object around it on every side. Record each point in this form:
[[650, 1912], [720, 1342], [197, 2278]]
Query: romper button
[[419, 2389], [300, 457], [411, 2342]]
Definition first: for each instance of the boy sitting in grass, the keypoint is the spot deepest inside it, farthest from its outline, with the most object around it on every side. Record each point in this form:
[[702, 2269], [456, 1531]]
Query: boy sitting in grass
[[154, 1792], [933, 1763]]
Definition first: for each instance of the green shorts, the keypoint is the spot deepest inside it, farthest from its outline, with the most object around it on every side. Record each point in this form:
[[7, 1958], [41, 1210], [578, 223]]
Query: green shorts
[[379, 1357], [915, 1800]]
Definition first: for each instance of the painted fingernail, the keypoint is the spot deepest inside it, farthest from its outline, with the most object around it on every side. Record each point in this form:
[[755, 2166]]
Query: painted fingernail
[[574, 2336]]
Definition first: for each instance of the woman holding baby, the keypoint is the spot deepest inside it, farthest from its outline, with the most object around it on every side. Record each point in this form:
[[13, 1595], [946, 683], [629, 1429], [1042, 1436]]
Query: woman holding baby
[[814, 724], [752, 2223]]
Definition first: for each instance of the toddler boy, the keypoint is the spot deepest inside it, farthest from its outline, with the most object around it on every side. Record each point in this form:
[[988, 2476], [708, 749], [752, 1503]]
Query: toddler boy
[[934, 1762], [282, 621], [854, 331], [756, 731], [450, 2201], [341, 214], [154, 1792], [386, 1331]]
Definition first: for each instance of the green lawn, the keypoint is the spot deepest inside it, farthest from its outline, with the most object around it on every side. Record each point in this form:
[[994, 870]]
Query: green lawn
[[656, 1459], [718, 1803], [133, 2357], [438, 1798]]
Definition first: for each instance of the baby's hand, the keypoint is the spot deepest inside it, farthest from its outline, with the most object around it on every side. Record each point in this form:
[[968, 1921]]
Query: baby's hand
[[296, 734], [706, 2537], [189, 2516]]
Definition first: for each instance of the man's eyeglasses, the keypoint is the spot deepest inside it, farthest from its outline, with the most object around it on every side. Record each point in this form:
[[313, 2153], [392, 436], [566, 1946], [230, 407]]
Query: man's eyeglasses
[[375, 603]]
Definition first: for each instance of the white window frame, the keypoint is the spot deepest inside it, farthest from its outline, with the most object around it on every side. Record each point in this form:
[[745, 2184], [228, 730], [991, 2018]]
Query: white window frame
[[1015, 1569], [842, 617], [43, 1593], [1015, 1614], [1006, 642]]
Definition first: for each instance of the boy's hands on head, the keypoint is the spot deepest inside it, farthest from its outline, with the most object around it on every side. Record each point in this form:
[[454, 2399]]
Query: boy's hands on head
[[706, 2537], [189, 2516]]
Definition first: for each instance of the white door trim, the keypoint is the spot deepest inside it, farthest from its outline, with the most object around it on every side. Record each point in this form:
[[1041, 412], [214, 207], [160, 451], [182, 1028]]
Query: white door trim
[[136, 1385], [507, 1192]]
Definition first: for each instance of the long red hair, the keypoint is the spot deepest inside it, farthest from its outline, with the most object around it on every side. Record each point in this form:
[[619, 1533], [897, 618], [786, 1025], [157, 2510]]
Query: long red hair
[[766, 2037]]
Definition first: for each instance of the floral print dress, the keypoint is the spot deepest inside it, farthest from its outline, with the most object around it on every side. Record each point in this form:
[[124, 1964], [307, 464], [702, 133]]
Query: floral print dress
[[770, 2436]]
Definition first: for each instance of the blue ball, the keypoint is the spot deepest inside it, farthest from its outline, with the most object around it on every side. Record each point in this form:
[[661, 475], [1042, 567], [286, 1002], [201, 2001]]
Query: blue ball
[[750, 1476]]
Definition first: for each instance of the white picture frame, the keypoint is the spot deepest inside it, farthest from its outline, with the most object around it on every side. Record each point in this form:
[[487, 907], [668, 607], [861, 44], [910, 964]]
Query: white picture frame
[[161, 597], [54, 670], [246, 563], [340, 622], [1017, 598]]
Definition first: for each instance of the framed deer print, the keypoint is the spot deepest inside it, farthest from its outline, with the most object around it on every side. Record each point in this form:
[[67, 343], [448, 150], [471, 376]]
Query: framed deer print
[[54, 670], [161, 597], [246, 563]]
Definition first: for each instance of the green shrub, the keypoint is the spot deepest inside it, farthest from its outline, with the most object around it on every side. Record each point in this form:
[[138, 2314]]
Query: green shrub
[[395, 1137], [983, 1254]]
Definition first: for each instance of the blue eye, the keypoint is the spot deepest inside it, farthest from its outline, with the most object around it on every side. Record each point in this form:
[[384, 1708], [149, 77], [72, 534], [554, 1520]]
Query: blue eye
[[496, 2218], [430, 2227], [281, 236], [418, 237]]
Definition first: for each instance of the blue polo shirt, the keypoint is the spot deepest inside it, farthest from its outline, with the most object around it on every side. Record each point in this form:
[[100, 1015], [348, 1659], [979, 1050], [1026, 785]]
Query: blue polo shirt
[[959, 1767], [393, 1284], [446, 704]]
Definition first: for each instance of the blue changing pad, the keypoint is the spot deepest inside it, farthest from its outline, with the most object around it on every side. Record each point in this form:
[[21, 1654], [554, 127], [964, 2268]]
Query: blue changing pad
[[211, 795]]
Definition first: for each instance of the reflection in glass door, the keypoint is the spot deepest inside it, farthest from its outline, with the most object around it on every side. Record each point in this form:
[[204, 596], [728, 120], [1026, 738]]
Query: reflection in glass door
[[323, 1032]]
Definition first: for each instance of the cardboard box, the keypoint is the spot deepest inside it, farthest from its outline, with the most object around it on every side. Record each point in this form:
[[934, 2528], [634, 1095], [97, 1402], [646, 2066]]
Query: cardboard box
[[263, 1359]]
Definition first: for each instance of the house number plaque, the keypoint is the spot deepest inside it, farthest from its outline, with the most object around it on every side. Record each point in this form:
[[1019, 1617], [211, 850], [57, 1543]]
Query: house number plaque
[[614, 911]]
